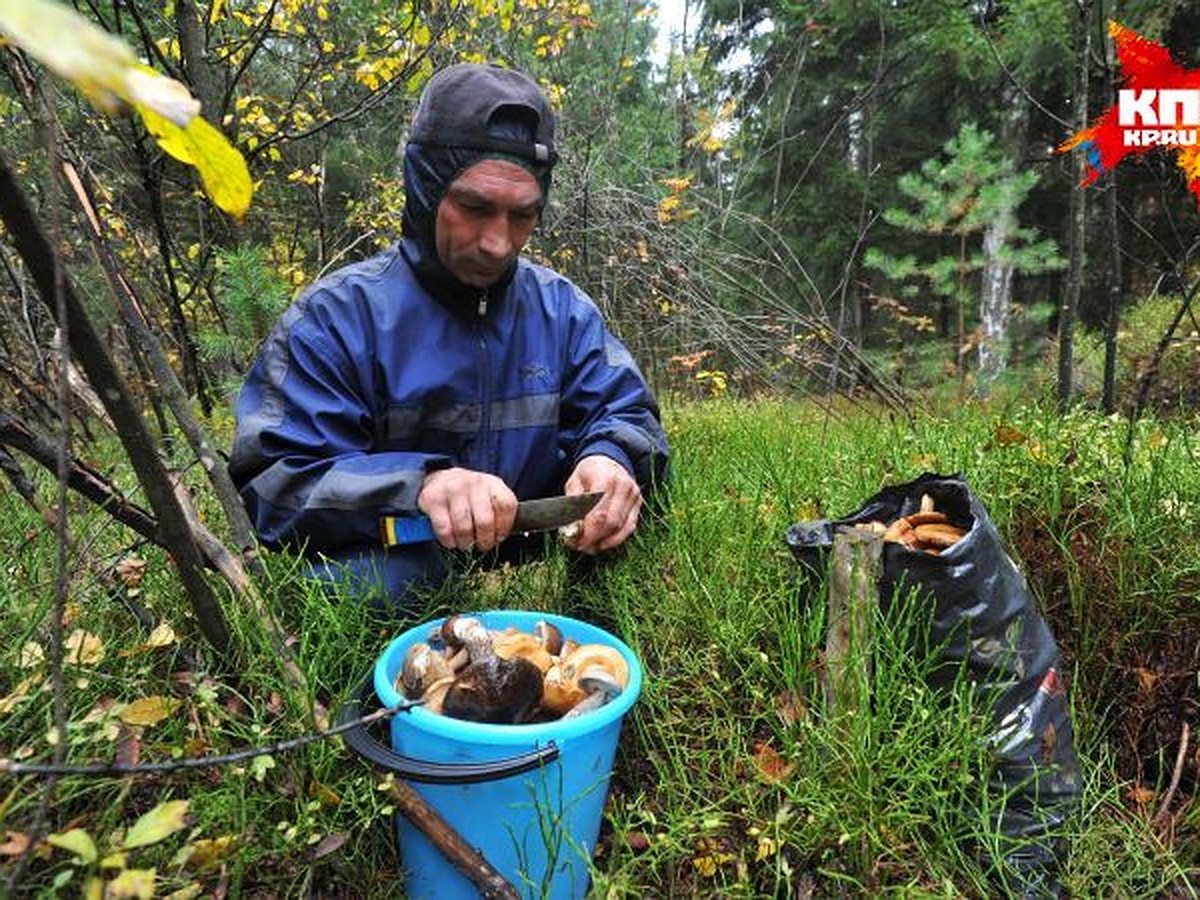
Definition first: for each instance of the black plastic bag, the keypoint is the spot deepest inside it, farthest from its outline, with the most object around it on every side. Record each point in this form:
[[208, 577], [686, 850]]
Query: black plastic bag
[[984, 622]]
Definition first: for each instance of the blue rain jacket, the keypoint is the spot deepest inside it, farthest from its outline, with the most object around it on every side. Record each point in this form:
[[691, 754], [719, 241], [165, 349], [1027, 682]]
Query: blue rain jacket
[[368, 383]]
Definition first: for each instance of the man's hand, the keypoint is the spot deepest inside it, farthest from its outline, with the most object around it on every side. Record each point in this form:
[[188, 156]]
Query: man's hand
[[615, 517], [468, 509]]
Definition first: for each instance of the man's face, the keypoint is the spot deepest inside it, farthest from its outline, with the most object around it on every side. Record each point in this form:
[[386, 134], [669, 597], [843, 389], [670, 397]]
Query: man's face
[[487, 215]]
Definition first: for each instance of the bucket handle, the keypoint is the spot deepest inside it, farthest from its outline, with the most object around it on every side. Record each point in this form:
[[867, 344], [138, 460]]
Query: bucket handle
[[364, 745]]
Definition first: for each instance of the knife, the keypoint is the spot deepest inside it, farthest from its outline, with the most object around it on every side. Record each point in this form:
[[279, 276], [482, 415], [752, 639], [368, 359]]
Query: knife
[[532, 515]]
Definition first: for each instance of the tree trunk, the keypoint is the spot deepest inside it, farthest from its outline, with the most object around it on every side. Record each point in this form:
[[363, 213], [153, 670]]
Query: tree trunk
[[995, 292], [39, 256], [1076, 215], [1115, 287]]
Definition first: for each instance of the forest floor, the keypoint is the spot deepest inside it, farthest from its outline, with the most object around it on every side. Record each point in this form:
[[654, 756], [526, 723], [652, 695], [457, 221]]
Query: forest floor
[[731, 779]]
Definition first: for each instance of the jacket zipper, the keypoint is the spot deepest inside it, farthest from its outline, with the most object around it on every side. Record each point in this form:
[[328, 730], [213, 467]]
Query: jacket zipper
[[485, 418]]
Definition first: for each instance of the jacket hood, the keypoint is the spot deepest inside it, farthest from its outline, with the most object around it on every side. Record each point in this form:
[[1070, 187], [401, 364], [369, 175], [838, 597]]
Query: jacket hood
[[468, 113]]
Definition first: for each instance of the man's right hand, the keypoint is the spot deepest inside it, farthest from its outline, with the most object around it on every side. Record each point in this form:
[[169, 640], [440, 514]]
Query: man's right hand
[[468, 509]]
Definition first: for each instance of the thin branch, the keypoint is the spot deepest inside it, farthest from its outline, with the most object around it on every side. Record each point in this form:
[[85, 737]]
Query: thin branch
[[44, 770], [1180, 759]]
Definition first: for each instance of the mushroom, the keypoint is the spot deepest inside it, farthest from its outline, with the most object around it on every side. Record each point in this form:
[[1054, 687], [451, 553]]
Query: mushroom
[[586, 656], [550, 636], [600, 685], [494, 689], [422, 667], [559, 693], [525, 646], [490, 688], [435, 694]]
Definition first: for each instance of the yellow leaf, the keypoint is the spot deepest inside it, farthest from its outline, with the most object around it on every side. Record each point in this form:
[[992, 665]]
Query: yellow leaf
[[163, 635], [165, 96], [161, 822], [113, 861], [217, 12], [190, 892], [77, 841], [83, 649], [32, 655], [222, 168], [94, 889], [135, 883], [149, 710], [71, 47], [766, 847], [210, 851]]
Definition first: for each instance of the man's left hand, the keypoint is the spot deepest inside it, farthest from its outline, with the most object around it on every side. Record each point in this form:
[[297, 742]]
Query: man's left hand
[[615, 517]]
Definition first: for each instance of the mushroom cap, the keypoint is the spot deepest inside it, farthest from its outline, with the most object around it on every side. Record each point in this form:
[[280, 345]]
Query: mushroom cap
[[550, 636], [422, 666], [585, 656], [458, 630], [560, 693], [526, 646], [500, 691]]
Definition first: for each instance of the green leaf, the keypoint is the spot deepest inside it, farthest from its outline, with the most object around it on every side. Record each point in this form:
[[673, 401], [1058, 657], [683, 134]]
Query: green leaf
[[77, 841], [161, 822]]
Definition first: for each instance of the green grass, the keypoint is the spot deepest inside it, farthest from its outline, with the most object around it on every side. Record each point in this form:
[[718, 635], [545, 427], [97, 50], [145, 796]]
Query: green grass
[[890, 801]]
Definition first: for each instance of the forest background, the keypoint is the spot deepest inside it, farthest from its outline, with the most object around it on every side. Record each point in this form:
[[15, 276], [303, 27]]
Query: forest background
[[856, 204]]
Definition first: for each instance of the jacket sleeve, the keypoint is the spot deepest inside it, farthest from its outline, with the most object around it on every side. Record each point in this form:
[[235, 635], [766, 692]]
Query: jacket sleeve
[[607, 407], [304, 454]]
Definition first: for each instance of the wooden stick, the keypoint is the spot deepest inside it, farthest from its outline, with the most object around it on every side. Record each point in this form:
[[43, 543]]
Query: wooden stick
[[853, 595], [464, 857]]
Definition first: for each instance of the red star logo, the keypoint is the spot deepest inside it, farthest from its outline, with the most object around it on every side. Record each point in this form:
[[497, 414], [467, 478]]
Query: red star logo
[[1159, 106]]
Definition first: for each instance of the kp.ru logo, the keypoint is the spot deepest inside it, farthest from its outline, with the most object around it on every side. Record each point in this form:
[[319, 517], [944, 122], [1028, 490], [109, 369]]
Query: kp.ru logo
[[1143, 113], [1158, 106]]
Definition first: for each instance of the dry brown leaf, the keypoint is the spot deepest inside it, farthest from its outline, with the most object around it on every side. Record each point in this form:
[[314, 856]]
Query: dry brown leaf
[[15, 844], [1146, 679], [792, 708], [770, 764], [129, 745], [131, 570], [637, 841], [149, 710], [1141, 796], [1008, 436]]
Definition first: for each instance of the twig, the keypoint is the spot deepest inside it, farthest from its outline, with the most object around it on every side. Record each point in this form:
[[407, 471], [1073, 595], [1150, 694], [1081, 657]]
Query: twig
[[469, 861], [91, 484], [7, 766], [1180, 759]]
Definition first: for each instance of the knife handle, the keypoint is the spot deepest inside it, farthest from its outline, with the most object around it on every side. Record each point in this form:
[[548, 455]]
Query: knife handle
[[397, 530]]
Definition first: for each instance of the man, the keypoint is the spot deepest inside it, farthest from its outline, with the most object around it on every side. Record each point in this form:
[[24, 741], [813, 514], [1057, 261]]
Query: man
[[446, 375]]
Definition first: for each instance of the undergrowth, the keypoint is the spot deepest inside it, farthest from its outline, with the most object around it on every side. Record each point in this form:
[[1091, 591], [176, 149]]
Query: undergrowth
[[731, 779]]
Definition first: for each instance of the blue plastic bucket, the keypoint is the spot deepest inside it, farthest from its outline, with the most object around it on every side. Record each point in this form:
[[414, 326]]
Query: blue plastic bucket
[[537, 828]]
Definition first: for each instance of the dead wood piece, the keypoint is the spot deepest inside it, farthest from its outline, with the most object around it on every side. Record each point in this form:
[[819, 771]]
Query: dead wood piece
[[469, 861], [853, 595]]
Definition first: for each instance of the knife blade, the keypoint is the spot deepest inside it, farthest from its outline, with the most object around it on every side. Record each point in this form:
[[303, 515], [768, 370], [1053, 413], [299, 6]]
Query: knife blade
[[544, 514]]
